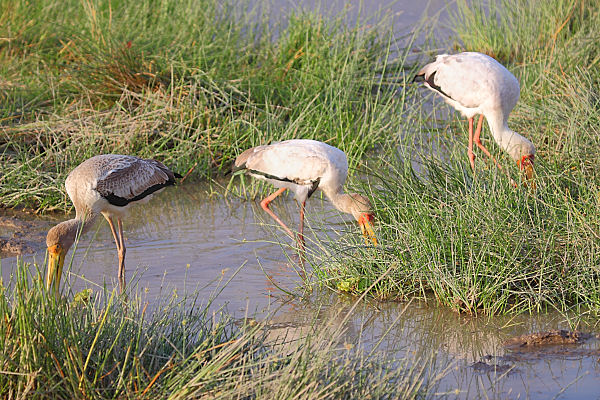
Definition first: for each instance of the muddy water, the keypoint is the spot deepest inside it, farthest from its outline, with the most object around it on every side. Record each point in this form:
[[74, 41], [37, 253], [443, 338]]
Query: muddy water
[[470, 349], [185, 240], [184, 237]]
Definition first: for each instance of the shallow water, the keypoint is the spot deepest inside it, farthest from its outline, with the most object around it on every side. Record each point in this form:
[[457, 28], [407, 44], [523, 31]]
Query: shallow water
[[462, 343], [183, 237], [404, 14], [187, 239]]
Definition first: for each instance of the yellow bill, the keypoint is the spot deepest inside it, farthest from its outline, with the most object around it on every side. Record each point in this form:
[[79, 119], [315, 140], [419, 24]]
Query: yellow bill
[[528, 171], [56, 260], [367, 229]]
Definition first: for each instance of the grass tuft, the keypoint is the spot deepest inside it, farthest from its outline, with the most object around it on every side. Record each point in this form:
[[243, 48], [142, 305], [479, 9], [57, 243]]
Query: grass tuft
[[190, 83], [469, 240], [106, 346]]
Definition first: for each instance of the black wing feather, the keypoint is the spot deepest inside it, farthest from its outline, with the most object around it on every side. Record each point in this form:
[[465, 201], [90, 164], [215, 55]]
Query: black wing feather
[[122, 201], [431, 82], [315, 183]]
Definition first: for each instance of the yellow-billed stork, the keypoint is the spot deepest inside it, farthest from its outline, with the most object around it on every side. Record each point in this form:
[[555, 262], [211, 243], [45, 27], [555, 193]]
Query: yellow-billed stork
[[107, 184], [303, 166], [474, 83]]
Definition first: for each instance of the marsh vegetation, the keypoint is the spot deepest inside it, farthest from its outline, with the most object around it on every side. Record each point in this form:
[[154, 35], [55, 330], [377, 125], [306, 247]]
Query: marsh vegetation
[[470, 240], [194, 83], [103, 345]]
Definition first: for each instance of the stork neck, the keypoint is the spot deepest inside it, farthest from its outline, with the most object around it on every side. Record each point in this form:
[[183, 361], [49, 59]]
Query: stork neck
[[80, 222], [341, 201], [66, 232], [509, 140], [87, 222]]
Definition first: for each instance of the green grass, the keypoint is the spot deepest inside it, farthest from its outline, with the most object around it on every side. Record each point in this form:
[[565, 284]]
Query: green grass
[[105, 346], [194, 94], [476, 245], [190, 83], [471, 241]]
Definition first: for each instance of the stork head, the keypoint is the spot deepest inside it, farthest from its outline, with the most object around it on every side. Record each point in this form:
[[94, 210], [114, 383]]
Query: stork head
[[59, 240], [360, 208], [526, 165], [523, 152]]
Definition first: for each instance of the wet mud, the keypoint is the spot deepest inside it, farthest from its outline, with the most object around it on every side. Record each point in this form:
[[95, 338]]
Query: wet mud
[[546, 346], [20, 233], [491, 366], [552, 344], [535, 341]]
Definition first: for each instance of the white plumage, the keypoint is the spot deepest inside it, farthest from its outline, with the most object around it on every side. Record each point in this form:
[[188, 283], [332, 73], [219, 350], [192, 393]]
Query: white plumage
[[303, 166], [474, 83], [107, 184]]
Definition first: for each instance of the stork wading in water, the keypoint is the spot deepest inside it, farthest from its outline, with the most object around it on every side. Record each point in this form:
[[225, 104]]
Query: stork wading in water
[[107, 184], [474, 83], [303, 166]]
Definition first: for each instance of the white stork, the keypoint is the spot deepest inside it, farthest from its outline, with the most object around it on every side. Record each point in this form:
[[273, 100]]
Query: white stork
[[107, 184], [304, 166], [474, 83]]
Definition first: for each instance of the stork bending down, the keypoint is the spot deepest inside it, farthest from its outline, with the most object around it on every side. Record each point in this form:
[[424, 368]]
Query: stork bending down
[[474, 83], [303, 166], [107, 184]]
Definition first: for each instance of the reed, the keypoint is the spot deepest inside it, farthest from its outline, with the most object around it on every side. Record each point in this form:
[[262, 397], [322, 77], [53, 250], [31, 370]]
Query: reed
[[103, 345], [190, 83]]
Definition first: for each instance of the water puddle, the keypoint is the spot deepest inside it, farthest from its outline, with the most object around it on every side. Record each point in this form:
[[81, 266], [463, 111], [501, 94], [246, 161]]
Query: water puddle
[[182, 236], [186, 239], [403, 14]]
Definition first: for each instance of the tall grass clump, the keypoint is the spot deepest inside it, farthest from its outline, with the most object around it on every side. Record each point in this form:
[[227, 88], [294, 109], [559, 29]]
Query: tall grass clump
[[469, 240], [108, 346], [476, 245], [190, 83]]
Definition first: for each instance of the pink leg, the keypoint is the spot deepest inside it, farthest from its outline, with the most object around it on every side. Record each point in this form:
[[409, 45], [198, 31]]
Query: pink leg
[[265, 206], [120, 243], [301, 243], [470, 149], [301, 235], [114, 232], [121, 251]]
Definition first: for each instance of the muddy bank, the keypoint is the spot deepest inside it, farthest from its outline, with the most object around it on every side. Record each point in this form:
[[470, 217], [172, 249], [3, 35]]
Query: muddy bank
[[535, 341], [21, 233], [552, 344], [540, 346]]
